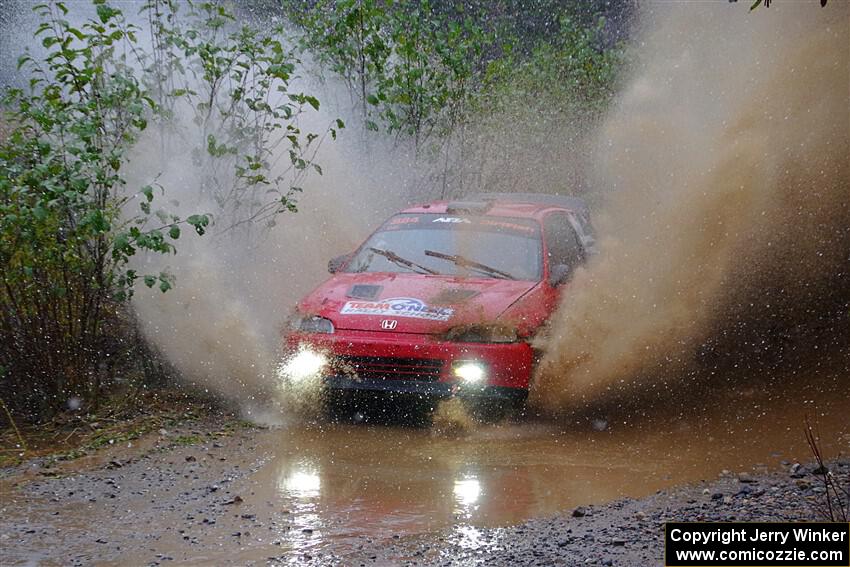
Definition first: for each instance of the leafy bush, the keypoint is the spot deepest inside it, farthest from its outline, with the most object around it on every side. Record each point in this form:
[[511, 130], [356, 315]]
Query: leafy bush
[[410, 67], [235, 81], [69, 224], [64, 242], [477, 98], [531, 119]]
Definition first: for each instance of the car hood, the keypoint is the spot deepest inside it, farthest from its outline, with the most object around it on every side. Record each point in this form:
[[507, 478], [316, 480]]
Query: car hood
[[416, 303]]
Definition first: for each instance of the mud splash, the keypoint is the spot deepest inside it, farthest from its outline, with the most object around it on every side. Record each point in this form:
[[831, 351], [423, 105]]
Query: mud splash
[[452, 418], [727, 208], [221, 324]]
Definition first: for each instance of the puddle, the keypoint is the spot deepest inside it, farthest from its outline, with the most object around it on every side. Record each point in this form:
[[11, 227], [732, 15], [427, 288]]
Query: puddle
[[345, 481], [315, 493]]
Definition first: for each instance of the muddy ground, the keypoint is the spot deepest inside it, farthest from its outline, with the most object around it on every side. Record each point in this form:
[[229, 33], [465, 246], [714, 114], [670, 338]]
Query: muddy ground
[[623, 532], [219, 491]]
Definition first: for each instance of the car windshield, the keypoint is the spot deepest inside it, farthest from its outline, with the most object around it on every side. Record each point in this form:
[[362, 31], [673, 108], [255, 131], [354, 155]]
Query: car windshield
[[485, 247]]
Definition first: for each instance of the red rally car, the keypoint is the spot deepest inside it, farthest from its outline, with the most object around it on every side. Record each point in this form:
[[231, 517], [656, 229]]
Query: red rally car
[[441, 300]]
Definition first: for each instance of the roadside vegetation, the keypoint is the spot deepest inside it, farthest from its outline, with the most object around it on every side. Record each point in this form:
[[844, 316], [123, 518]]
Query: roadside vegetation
[[834, 504], [485, 96], [472, 92], [70, 224]]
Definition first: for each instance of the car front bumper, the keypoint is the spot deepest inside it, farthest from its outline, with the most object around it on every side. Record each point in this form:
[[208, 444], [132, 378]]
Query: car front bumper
[[404, 363], [415, 388]]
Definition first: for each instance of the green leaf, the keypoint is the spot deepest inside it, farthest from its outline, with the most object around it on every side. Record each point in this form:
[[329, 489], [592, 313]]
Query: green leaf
[[174, 232], [147, 191], [312, 101], [150, 281], [106, 13], [23, 60], [39, 212], [121, 244], [199, 222]]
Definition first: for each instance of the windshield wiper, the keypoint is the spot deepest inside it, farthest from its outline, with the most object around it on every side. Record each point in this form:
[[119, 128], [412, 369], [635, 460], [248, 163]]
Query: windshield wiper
[[396, 259], [467, 263]]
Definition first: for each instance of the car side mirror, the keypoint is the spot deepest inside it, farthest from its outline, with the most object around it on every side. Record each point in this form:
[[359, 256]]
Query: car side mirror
[[335, 264], [559, 274]]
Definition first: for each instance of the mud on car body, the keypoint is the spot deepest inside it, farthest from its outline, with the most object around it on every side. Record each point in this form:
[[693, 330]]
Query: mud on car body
[[442, 300]]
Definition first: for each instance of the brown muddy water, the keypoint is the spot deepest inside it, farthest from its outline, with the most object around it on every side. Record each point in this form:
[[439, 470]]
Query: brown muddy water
[[378, 481], [311, 490]]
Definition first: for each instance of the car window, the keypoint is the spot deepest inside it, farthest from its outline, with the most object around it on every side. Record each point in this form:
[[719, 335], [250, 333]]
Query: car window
[[561, 241], [581, 224], [511, 246]]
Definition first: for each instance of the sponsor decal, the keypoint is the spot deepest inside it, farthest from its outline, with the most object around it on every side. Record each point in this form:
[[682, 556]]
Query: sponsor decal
[[398, 307], [452, 219], [404, 220]]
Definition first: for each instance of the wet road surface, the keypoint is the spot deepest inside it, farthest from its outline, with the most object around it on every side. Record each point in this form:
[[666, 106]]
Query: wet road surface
[[291, 495]]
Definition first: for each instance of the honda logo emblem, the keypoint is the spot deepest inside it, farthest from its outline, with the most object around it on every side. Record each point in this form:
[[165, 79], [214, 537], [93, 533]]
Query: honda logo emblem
[[389, 324]]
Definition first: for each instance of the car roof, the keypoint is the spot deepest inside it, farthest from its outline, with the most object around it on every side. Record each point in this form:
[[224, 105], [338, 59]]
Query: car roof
[[531, 205]]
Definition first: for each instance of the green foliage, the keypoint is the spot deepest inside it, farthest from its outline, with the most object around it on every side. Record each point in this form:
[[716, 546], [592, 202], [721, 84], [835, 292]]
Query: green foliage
[[437, 67], [569, 75], [411, 68], [236, 81], [69, 223], [468, 86], [349, 37], [532, 117], [65, 237]]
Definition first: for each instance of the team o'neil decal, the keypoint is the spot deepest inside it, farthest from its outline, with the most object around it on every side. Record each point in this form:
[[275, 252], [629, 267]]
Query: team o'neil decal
[[398, 307]]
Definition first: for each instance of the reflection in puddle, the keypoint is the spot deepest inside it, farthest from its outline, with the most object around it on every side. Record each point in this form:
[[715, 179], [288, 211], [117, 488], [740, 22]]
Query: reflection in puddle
[[467, 491], [300, 486], [301, 483], [340, 482]]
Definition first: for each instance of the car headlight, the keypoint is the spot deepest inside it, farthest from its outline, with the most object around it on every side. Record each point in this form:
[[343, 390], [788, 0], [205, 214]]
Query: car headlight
[[482, 334], [303, 365], [469, 371], [314, 324]]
